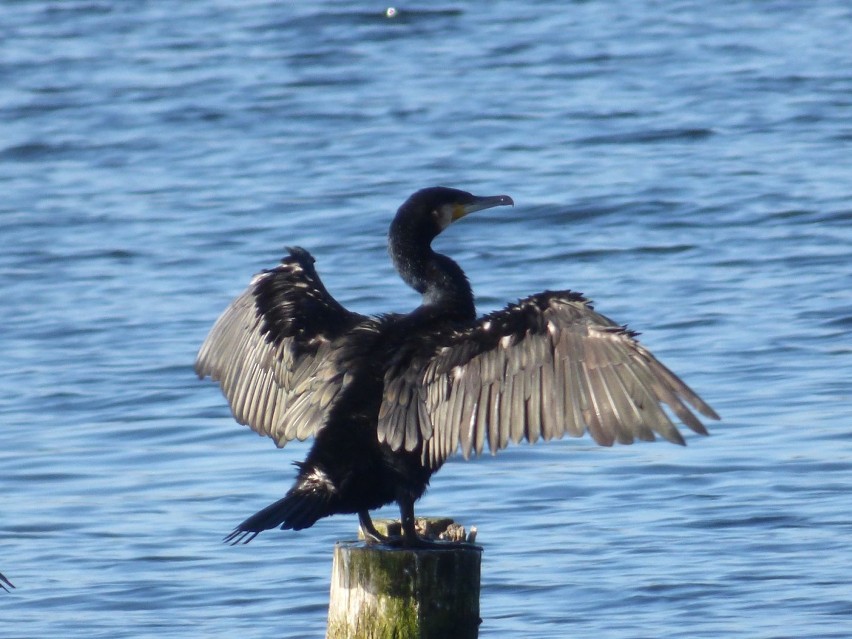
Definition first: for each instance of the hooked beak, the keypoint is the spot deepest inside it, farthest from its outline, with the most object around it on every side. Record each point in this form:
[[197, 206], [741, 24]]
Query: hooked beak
[[480, 203]]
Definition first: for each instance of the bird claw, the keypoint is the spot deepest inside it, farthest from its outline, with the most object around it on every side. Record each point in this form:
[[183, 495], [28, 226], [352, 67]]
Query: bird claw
[[383, 540], [417, 543]]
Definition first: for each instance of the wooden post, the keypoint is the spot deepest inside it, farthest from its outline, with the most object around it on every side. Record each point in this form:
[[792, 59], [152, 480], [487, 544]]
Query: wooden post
[[380, 592]]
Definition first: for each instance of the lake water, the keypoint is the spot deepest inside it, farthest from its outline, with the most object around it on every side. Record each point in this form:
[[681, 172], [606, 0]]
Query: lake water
[[688, 165]]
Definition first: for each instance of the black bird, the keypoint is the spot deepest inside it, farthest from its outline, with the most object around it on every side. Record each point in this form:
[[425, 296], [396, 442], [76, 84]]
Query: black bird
[[5, 582], [389, 398]]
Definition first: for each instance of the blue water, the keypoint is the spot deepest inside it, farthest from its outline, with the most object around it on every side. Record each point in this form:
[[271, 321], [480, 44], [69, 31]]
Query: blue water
[[686, 164]]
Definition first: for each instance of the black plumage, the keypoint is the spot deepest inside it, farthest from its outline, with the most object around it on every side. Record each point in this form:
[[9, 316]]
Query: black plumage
[[5, 582], [389, 398]]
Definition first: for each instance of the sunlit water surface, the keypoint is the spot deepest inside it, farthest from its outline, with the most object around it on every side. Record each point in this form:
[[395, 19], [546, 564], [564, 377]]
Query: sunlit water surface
[[685, 164]]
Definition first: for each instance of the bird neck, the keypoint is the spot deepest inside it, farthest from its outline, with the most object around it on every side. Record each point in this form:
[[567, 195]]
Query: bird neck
[[440, 281]]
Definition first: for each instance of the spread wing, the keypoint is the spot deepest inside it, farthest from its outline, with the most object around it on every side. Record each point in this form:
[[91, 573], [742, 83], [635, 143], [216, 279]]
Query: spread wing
[[543, 368], [273, 350]]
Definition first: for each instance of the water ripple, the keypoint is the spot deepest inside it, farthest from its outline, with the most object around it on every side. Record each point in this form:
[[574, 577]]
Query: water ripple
[[682, 164]]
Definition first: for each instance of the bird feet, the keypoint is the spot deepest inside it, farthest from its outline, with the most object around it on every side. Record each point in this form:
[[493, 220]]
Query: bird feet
[[423, 533], [421, 543]]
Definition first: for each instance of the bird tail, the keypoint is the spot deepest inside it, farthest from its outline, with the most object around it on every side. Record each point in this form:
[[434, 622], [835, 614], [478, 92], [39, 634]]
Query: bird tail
[[308, 501], [5, 582]]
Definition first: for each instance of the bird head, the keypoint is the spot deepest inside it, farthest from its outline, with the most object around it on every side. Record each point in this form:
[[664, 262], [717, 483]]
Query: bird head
[[429, 211]]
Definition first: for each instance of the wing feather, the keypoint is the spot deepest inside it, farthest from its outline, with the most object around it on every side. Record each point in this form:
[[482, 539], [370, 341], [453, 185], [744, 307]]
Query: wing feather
[[482, 416], [517, 408], [628, 409], [543, 368], [533, 430], [576, 399], [274, 351], [491, 431]]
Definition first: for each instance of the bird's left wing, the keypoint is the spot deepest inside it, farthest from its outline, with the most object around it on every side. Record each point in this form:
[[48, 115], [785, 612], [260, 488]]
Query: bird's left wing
[[545, 367], [273, 350]]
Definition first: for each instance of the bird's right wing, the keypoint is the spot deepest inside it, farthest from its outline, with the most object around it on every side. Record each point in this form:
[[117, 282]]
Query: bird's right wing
[[546, 367], [273, 351]]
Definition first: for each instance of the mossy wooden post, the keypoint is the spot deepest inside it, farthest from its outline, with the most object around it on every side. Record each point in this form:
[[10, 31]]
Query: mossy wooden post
[[379, 592]]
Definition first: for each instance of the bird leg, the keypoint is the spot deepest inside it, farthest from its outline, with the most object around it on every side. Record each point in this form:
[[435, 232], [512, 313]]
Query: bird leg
[[410, 537], [371, 535]]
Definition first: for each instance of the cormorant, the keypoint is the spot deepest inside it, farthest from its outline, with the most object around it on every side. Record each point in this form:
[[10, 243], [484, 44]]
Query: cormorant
[[389, 398]]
